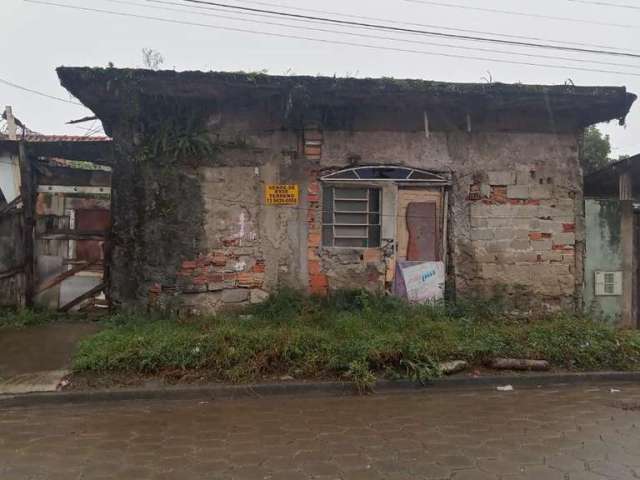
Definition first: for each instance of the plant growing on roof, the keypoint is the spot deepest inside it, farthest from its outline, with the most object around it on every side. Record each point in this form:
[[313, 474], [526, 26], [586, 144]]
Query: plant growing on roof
[[186, 141]]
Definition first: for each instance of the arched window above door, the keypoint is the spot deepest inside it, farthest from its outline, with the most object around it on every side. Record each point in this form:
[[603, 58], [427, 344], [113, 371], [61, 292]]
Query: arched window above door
[[387, 173]]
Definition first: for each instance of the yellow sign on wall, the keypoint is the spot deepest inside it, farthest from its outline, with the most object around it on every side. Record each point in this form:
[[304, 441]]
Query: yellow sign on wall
[[281, 194]]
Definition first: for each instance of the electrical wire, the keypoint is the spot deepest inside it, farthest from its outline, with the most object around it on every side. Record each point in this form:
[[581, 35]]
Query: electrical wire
[[362, 35], [409, 30], [327, 41], [36, 92], [521, 14], [606, 4], [424, 25]]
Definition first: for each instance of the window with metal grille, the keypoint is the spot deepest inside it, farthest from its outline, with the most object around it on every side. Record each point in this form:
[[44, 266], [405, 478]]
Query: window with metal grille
[[609, 283], [351, 217]]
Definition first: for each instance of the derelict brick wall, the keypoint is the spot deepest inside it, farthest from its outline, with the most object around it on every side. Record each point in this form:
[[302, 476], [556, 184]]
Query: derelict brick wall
[[515, 203], [514, 215]]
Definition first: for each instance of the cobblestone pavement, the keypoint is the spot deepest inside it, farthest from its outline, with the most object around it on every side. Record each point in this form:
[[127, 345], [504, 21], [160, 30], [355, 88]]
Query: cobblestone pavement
[[568, 433]]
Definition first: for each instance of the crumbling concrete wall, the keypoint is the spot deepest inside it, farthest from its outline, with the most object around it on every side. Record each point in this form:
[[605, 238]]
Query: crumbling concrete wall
[[515, 203], [514, 216], [203, 233]]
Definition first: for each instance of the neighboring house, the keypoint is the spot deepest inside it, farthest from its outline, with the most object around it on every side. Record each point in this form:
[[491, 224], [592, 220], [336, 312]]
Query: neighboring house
[[612, 224], [327, 183], [51, 240]]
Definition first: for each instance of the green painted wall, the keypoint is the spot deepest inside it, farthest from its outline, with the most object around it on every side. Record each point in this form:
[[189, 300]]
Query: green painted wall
[[603, 246]]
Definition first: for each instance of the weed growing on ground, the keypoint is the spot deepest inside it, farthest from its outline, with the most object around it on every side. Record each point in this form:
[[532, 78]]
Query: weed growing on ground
[[351, 334], [27, 317]]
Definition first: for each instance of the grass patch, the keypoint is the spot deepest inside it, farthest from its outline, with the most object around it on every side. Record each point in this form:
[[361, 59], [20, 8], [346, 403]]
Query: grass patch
[[27, 317], [350, 335]]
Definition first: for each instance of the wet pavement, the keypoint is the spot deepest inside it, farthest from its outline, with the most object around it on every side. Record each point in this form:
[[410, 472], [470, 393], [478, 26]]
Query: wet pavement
[[40, 348], [566, 433]]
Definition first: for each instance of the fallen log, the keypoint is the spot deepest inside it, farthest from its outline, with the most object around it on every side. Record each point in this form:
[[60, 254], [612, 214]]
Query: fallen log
[[518, 364]]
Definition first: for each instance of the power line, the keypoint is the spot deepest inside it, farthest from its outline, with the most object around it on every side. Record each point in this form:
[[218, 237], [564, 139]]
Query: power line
[[409, 30], [606, 4], [377, 37], [36, 92], [327, 41], [522, 14], [424, 25]]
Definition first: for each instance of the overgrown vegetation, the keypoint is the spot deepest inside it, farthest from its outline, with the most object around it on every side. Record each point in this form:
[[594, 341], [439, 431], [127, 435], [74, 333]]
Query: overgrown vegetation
[[25, 317], [352, 335]]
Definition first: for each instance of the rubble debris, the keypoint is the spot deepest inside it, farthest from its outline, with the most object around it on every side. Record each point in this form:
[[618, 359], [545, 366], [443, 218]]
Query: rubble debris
[[518, 364]]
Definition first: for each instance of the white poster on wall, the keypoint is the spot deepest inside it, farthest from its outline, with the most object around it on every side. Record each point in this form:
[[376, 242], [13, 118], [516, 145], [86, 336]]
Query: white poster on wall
[[420, 282]]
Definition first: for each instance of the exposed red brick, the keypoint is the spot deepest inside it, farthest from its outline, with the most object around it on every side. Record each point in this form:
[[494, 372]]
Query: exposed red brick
[[312, 151], [313, 197], [314, 267], [155, 288], [315, 238], [318, 280], [535, 236], [189, 264], [230, 276], [258, 267], [517, 201], [200, 280], [532, 202], [568, 227], [215, 277], [203, 261], [499, 195], [313, 187], [245, 280], [312, 254], [219, 260], [372, 255], [563, 248]]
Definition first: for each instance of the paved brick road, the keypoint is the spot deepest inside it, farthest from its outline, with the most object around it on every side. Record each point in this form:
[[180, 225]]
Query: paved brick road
[[570, 433]]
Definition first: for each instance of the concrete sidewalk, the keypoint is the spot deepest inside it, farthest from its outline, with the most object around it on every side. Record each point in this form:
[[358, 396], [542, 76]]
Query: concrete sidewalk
[[35, 359]]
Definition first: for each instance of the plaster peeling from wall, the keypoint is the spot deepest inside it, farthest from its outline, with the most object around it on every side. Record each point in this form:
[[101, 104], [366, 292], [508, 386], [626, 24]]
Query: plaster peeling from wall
[[242, 224]]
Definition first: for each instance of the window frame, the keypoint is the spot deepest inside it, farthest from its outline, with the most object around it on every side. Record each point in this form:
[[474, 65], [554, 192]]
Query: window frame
[[330, 242]]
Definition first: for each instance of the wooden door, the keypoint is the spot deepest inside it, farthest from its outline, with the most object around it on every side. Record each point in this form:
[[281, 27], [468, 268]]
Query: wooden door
[[419, 225]]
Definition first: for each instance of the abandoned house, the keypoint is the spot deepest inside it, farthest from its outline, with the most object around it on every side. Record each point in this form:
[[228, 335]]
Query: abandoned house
[[227, 186], [612, 241], [54, 217]]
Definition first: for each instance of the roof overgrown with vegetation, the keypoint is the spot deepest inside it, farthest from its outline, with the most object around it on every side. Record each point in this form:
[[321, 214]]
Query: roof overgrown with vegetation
[[107, 90]]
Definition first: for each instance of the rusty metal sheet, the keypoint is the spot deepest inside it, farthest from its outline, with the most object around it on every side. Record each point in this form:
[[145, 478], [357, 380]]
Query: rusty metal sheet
[[422, 230], [91, 220]]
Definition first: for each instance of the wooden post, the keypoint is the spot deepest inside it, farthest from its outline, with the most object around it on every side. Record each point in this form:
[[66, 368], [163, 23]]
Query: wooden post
[[27, 192]]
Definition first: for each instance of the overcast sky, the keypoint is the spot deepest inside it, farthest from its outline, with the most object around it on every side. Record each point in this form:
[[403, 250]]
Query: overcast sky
[[37, 38]]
